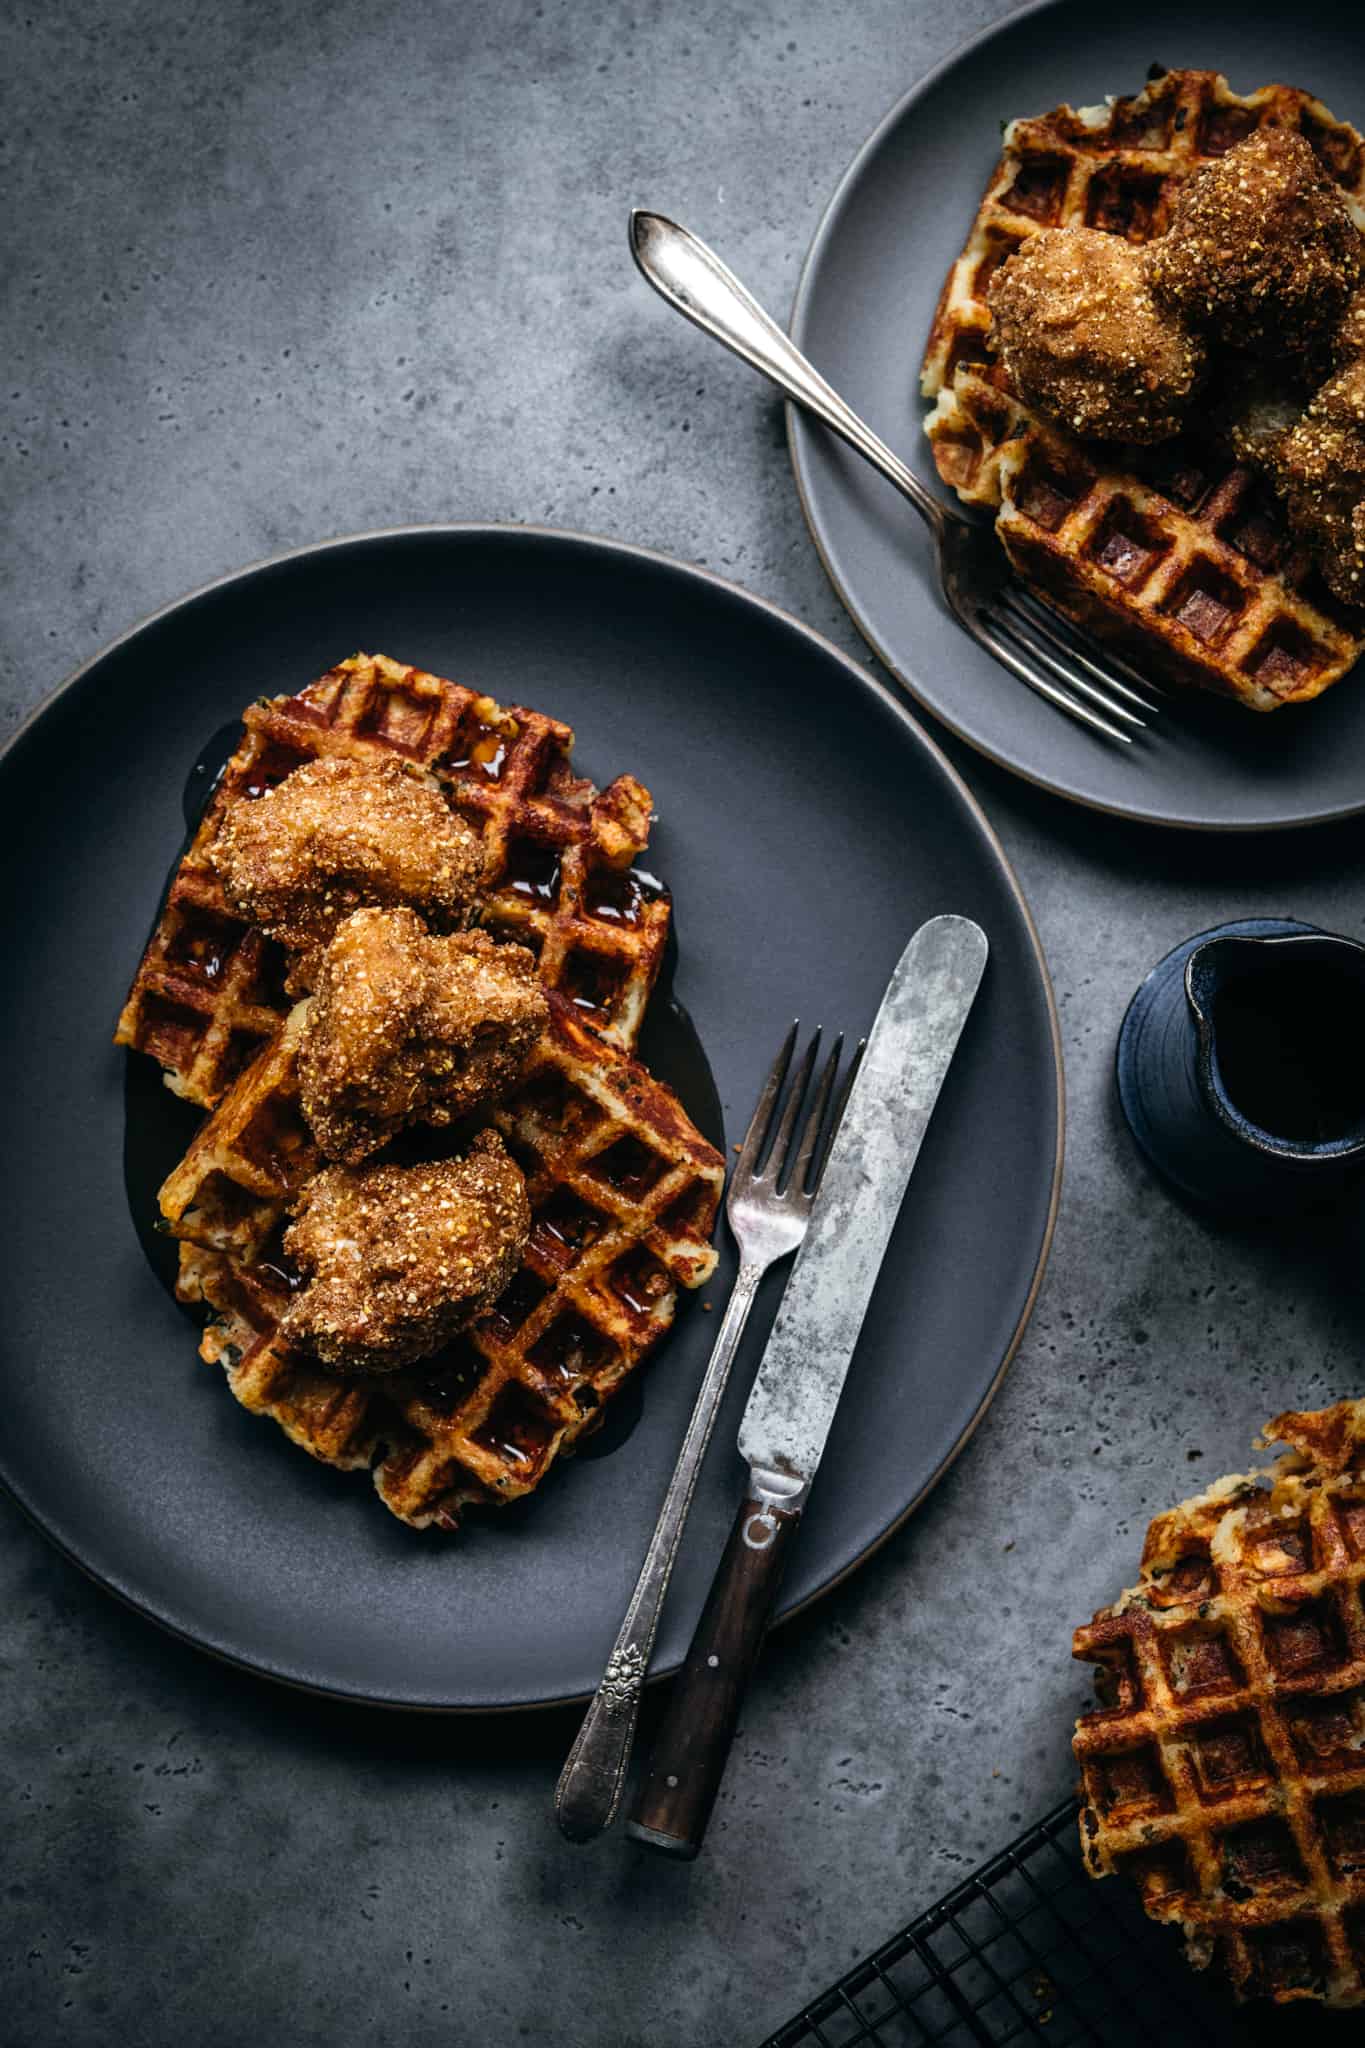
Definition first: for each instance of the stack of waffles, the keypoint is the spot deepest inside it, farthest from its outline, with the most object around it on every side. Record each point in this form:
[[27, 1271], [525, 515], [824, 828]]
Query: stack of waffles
[[1177, 554], [623, 1189], [1224, 1770]]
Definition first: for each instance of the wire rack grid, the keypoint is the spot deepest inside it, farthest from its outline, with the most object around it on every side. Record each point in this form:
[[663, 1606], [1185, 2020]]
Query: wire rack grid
[[1026, 1949]]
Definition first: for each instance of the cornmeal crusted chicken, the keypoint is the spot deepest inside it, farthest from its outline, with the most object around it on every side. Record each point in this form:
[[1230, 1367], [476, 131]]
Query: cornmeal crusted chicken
[[1256, 427], [338, 835], [398, 1259], [1083, 341], [1318, 467], [1348, 342], [405, 1027], [1261, 247]]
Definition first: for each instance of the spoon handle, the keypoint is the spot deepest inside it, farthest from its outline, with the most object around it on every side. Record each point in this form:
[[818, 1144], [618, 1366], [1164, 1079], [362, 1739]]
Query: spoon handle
[[698, 285]]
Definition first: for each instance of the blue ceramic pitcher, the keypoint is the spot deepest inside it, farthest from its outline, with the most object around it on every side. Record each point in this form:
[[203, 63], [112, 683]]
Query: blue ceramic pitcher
[[1241, 1065]]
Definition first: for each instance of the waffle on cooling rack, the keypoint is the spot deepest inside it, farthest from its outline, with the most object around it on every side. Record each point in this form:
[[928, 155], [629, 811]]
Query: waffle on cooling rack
[[1225, 1767], [623, 1192], [209, 992], [1177, 554]]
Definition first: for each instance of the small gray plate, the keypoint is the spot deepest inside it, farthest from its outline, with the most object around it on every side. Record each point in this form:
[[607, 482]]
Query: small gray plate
[[862, 314]]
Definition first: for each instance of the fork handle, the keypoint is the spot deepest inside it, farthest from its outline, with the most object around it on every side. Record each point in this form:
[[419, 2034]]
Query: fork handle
[[693, 1743], [589, 1789], [683, 270]]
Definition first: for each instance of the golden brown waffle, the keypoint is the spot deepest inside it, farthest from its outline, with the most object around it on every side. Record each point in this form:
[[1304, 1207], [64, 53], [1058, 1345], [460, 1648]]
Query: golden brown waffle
[[1177, 554], [1224, 1770], [624, 1192], [247, 1158], [559, 876]]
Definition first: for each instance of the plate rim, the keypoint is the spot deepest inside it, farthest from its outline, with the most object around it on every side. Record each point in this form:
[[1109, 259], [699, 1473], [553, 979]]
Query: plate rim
[[506, 529], [801, 437]]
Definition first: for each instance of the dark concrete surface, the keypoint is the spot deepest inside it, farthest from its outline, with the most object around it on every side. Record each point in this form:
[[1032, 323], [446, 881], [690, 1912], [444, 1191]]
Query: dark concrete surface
[[280, 271]]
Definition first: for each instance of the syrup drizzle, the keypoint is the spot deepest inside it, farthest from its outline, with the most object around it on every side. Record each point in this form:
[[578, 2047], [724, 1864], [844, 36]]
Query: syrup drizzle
[[620, 898]]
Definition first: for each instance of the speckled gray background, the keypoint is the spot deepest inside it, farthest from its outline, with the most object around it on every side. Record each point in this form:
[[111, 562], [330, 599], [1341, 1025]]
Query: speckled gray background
[[280, 271]]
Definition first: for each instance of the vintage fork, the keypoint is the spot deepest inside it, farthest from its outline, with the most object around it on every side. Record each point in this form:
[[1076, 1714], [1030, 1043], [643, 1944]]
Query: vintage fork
[[1022, 633], [768, 1208]]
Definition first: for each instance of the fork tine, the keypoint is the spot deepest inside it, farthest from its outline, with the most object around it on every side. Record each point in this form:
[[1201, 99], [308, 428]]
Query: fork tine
[[763, 1113], [810, 1131], [1030, 637], [840, 1106], [1113, 663], [781, 1145], [995, 643], [1062, 633]]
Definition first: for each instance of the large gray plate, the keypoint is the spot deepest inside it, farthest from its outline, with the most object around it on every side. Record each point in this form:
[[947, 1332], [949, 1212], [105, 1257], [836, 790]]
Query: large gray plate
[[806, 826], [862, 313]]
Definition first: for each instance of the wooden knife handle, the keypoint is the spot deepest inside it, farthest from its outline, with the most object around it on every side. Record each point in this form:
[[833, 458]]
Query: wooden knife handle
[[693, 1742]]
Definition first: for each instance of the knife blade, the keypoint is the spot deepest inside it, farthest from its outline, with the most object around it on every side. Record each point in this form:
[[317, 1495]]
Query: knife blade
[[806, 1361], [811, 1347]]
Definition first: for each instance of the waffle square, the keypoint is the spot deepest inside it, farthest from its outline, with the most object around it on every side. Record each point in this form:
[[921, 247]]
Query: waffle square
[[209, 992], [1176, 554], [624, 1193], [1224, 1769]]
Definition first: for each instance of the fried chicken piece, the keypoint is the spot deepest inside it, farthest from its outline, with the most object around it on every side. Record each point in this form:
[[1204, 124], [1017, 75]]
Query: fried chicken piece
[[1319, 471], [1333, 348], [405, 1027], [1348, 341], [398, 1259], [1256, 428], [1084, 342], [1261, 248], [337, 835], [1252, 412]]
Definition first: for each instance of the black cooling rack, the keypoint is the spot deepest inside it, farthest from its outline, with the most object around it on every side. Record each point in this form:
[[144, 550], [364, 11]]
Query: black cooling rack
[[1031, 1949]]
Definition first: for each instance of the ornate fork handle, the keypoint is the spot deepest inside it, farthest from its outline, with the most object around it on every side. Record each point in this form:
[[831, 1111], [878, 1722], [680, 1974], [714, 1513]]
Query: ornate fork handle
[[589, 1789]]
